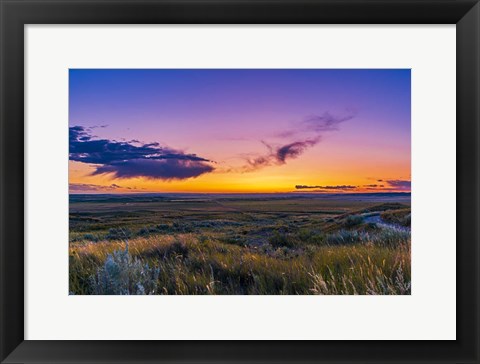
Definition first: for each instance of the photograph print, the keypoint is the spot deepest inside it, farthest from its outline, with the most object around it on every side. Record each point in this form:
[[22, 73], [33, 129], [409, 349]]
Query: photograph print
[[239, 182]]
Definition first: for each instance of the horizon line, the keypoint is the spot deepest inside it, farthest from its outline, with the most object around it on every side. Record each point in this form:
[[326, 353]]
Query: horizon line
[[243, 193]]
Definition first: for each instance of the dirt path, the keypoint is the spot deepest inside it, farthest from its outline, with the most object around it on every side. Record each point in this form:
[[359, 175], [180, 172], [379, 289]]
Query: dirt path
[[376, 219]]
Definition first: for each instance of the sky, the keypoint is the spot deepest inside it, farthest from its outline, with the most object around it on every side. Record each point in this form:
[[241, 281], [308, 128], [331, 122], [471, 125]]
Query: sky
[[239, 130]]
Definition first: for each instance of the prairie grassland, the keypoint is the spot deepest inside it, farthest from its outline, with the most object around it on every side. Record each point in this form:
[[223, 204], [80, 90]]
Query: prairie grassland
[[400, 217], [238, 247]]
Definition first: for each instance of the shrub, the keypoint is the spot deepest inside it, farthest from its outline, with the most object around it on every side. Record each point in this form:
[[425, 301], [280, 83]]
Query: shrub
[[399, 217], [233, 239], [122, 275], [118, 234], [385, 207], [202, 239], [181, 227], [406, 220], [345, 237], [177, 248], [279, 240], [390, 237], [310, 236], [387, 236], [163, 228], [90, 237], [143, 231], [304, 235], [353, 220]]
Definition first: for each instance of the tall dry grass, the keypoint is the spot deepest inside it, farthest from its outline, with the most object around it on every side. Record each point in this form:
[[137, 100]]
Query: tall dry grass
[[193, 264]]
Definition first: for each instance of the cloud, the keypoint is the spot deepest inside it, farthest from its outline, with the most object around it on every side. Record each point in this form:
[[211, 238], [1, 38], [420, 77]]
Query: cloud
[[293, 150], [85, 187], [392, 185], [155, 169], [279, 155], [125, 160], [317, 124], [307, 133], [337, 187], [400, 184], [324, 122]]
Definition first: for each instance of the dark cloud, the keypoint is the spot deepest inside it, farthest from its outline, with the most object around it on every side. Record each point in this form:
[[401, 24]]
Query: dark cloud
[[279, 155], [156, 169], [293, 150], [392, 185], [125, 160], [400, 184], [85, 187], [337, 187]]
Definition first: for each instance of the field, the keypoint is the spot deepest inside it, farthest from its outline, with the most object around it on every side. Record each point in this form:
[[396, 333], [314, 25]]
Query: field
[[240, 244]]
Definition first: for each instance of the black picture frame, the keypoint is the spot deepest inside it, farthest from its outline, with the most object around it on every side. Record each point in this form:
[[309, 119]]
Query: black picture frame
[[16, 13]]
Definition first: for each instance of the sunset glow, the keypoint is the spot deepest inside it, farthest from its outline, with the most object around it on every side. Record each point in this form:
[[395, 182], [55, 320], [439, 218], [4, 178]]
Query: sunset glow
[[233, 131]]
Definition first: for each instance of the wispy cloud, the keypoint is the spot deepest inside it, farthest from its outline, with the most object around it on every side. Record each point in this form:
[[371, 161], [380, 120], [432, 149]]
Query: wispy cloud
[[334, 187], [306, 134], [86, 187], [317, 124], [388, 186], [126, 160]]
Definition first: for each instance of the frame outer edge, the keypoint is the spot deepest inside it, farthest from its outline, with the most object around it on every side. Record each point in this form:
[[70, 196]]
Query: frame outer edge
[[3, 329], [468, 181], [11, 179], [11, 208]]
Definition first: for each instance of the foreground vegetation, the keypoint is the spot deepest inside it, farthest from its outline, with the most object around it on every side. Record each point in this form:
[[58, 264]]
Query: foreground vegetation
[[241, 247]]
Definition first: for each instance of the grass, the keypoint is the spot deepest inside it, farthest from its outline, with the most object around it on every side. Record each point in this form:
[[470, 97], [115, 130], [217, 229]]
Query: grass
[[400, 217], [245, 250], [185, 264]]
